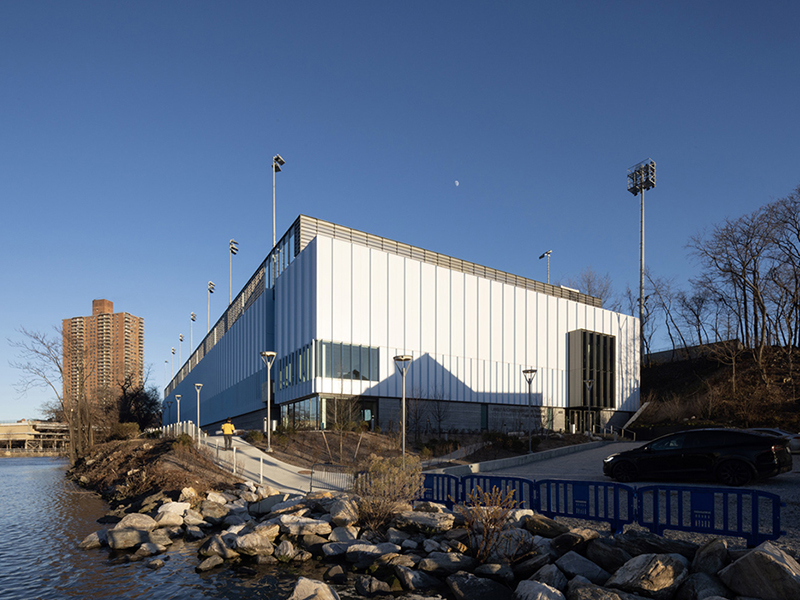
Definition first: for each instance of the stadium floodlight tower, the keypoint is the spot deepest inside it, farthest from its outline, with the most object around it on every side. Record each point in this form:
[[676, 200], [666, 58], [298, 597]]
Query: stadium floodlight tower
[[641, 177]]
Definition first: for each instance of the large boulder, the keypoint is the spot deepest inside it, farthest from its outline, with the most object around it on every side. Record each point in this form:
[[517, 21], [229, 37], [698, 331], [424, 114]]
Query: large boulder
[[536, 590], [369, 586], [122, 539], [179, 508], [215, 546], [263, 507], [700, 586], [604, 553], [254, 544], [344, 512], [765, 572], [575, 539], [636, 542], [424, 521], [309, 589], [552, 576], [572, 564], [466, 586], [299, 526], [137, 521], [654, 575], [414, 581], [446, 562], [169, 519], [544, 526], [711, 557], [94, 540], [526, 568]]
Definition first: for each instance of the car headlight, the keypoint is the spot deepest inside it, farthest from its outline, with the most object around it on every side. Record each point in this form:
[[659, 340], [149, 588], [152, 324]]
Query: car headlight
[[608, 459]]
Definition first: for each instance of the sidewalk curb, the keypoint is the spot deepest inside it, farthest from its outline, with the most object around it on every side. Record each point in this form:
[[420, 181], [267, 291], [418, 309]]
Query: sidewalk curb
[[515, 461]]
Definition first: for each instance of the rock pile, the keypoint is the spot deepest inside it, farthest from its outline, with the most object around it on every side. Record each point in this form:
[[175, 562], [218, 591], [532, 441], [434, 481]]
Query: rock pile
[[428, 550]]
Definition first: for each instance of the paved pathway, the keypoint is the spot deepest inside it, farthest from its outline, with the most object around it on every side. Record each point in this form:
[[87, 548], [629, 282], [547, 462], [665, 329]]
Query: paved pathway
[[586, 465], [249, 462]]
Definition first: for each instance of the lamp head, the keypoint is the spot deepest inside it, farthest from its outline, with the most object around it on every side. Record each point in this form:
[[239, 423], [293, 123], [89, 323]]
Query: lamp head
[[198, 386]]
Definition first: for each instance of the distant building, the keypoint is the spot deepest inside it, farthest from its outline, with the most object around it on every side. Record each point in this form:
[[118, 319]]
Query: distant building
[[100, 351], [337, 305]]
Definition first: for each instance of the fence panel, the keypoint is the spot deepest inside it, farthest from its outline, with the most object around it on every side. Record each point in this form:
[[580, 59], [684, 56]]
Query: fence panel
[[336, 480], [750, 514], [442, 488], [612, 503], [523, 488]]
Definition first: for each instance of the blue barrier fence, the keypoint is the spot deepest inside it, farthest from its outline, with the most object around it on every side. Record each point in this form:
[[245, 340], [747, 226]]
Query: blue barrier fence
[[750, 514]]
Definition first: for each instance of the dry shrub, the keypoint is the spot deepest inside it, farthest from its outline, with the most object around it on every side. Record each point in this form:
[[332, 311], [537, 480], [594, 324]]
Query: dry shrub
[[486, 517], [385, 485]]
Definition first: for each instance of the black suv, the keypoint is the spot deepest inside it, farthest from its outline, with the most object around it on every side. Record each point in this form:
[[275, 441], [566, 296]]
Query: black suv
[[730, 456]]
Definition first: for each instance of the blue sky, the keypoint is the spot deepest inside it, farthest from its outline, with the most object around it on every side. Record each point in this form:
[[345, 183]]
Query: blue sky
[[136, 140]]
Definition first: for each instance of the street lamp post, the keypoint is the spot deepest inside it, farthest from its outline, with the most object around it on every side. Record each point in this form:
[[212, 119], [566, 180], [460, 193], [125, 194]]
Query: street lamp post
[[169, 411], [171, 363], [198, 387], [234, 248], [165, 379], [180, 348], [208, 318], [589, 383], [269, 357], [547, 256], [529, 375], [277, 163], [403, 362], [178, 400]]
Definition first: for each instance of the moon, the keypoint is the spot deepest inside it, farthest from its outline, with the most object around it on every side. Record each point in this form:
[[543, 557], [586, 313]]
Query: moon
[[456, 182]]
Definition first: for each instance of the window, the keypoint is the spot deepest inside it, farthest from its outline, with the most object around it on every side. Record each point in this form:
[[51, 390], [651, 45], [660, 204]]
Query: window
[[344, 361]]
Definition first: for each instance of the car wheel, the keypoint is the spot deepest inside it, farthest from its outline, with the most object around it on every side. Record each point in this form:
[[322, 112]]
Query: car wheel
[[734, 473], [624, 472]]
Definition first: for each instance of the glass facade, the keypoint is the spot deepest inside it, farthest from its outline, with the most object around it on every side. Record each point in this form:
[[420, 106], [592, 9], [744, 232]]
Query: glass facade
[[344, 361]]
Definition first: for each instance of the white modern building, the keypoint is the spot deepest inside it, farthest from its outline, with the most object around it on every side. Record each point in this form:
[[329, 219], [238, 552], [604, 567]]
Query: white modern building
[[337, 305]]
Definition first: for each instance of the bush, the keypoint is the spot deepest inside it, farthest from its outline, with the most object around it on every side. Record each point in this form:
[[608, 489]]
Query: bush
[[254, 436], [503, 441], [184, 440], [485, 518], [385, 486], [124, 431]]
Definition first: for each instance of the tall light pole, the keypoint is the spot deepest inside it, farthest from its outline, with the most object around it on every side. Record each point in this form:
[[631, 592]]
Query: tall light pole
[[547, 255], [169, 411], [165, 379], [180, 348], [178, 400], [268, 357], [171, 363], [192, 319], [403, 362], [198, 387], [641, 177], [208, 318], [529, 375], [234, 248], [277, 163]]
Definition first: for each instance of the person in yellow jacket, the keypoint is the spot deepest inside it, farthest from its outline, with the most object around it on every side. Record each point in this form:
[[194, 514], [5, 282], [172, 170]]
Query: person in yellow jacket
[[227, 430]]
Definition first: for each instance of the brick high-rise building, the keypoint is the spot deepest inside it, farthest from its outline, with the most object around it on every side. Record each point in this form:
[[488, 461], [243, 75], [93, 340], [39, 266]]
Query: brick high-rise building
[[100, 351]]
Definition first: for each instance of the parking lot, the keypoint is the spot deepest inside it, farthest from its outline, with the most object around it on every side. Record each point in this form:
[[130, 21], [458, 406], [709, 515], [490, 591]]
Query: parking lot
[[588, 466]]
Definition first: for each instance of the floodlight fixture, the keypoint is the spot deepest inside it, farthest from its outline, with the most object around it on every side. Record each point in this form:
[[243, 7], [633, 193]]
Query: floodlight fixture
[[233, 245], [277, 163]]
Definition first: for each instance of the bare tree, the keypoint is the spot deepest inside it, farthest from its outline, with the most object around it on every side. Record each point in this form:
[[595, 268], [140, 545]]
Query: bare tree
[[41, 362], [592, 283], [440, 409], [415, 411]]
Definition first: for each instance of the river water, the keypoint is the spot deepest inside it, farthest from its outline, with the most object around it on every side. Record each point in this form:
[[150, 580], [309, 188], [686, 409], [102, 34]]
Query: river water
[[43, 517]]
